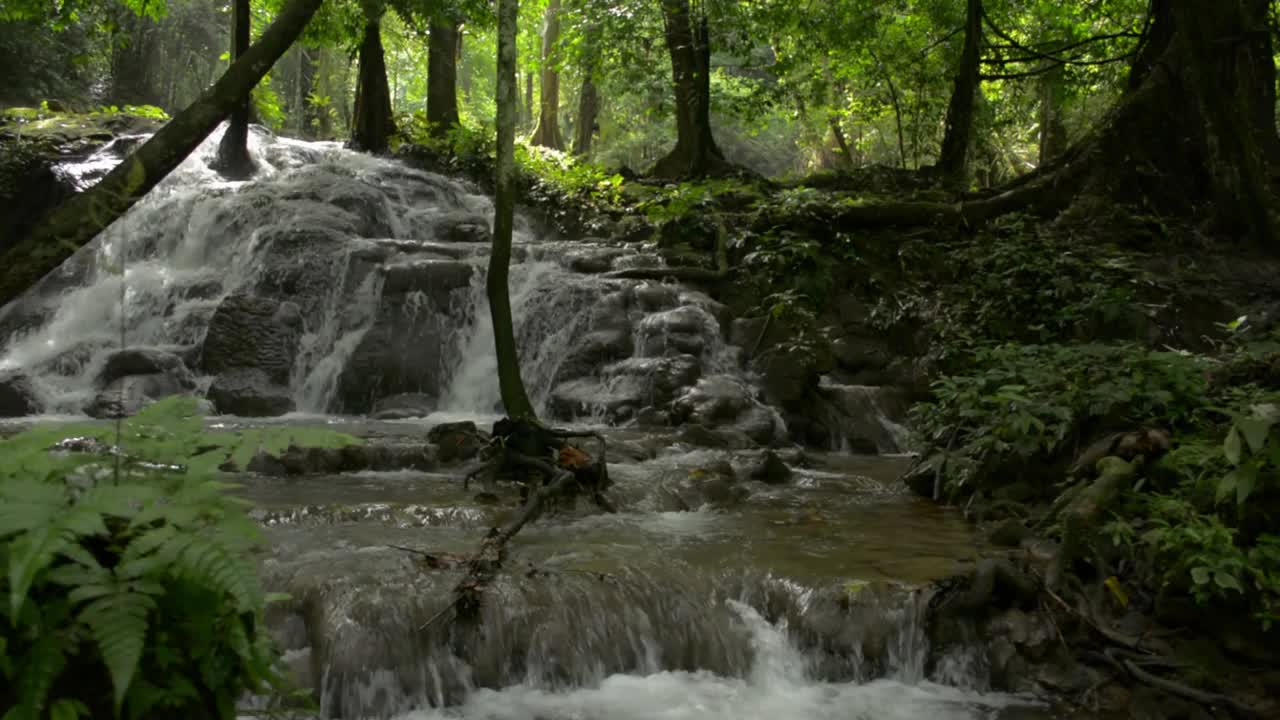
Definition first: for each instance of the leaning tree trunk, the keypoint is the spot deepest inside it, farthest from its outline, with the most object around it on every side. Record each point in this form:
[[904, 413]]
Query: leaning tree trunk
[[233, 159], [372, 122], [442, 77], [514, 397], [547, 132], [696, 153], [588, 111], [953, 160], [74, 223]]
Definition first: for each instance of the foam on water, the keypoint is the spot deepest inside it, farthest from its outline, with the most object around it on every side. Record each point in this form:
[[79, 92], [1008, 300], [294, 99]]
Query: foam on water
[[777, 687]]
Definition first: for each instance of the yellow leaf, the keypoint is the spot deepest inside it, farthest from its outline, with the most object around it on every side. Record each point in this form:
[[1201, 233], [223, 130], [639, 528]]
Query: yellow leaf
[[1121, 597]]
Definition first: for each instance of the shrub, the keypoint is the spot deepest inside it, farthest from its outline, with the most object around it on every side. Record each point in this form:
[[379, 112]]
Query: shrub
[[128, 583]]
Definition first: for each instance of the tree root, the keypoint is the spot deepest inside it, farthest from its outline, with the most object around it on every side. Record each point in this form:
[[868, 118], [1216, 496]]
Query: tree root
[[1132, 669]]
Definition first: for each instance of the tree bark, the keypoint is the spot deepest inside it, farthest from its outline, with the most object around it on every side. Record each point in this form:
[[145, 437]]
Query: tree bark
[[837, 133], [547, 132], [1053, 132], [527, 119], [233, 160], [74, 223], [953, 160], [372, 121], [588, 111], [696, 153], [515, 399], [442, 76], [1200, 122]]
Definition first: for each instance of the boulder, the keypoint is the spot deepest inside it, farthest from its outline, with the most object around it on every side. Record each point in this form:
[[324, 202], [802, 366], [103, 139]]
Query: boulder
[[616, 398], [661, 377], [250, 392], [465, 230], [145, 361], [714, 486], [404, 406], [720, 439], [456, 441], [17, 395], [250, 332], [714, 400], [769, 469], [788, 376], [369, 456], [593, 350], [403, 350], [126, 396], [304, 263]]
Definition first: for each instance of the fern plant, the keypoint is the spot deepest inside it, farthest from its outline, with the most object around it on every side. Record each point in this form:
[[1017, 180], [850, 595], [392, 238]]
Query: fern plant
[[128, 587]]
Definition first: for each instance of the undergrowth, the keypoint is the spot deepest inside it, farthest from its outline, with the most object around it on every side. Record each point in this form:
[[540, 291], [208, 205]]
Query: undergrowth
[[128, 584]]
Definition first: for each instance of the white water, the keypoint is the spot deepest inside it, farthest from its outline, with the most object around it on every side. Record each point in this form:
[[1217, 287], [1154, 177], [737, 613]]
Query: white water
[[778, 687]]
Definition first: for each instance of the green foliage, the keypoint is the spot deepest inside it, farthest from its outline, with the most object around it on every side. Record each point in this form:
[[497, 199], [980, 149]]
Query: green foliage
[[128, 583], [1037, 401]]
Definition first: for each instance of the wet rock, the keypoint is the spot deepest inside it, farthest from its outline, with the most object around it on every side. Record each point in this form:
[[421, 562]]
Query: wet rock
[[17, 395], [789, 377], [864, 358], [1009, 533], [403, 352], [1148, 703], [126, 396], [456, 441], [682, 330], [615, 398], [656, 297], [714, 485], [867, 416], [145, 361], [250, 332], [404, 406], [633, 228], [703, 436], [250, 392], [652, 417], [295, 461], [662, 377], [304, 261], [769, 469], [469, 230], [595, 349], [715, 400], [592, 260]]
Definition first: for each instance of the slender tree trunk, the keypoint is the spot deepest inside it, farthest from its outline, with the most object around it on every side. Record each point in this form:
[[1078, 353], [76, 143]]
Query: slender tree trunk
[[953, 161], [74, 223], [837, 133], [306, 112], [373, 124], [1053, 133], [514, 397], [696, 153], [547, 132], [528, 99], [588, 111], [442, 76], [233, 159]]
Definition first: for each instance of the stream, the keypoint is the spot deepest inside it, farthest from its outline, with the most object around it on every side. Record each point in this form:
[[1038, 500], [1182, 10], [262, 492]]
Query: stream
[[708, 595]]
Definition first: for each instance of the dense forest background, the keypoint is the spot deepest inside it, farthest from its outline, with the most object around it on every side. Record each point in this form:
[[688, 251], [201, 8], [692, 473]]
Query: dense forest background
[[793, 87]]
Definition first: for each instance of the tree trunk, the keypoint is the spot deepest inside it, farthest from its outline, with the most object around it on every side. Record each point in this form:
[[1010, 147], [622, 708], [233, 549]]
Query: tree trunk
[[1201, 119], [372, 121], [74, 223], [837, 133], [305, 113], [528, 100], [442, 77], [547, 132], [696, 153], [588, 111], [515, 399], [953, 160], [1053, 133], [133, 61], [233, 159]]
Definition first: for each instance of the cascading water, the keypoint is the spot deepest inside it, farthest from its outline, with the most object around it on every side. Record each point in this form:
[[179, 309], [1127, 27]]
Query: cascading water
[[355, 285]]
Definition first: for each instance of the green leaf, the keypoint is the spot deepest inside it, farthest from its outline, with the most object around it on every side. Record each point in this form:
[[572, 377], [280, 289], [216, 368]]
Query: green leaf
[[118, 624], [1246, 480], [1200, 575], [1226, 486], [1255, 431], [1227, 581], [1232, 446], [28, 555]]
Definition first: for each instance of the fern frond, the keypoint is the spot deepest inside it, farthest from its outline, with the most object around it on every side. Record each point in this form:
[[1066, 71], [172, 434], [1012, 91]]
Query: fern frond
[[65, 709], [42, 664], [27, 504], [210, 564], [117, 621], [28, 555]]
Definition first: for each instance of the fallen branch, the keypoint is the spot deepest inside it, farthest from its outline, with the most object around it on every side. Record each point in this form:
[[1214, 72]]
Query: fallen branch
[[662, 274], [1173, 687]]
